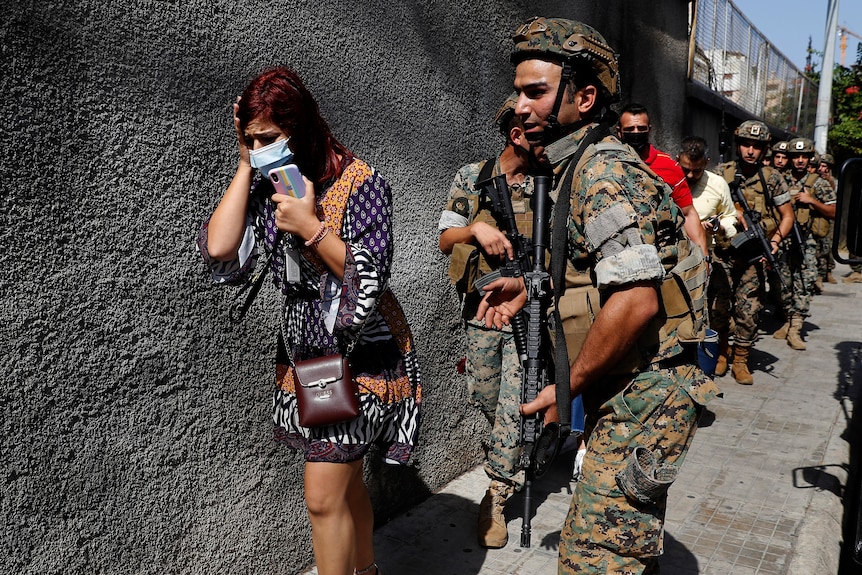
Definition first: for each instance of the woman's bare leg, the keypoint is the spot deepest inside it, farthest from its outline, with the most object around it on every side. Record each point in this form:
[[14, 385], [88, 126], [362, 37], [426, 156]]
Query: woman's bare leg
[[363, 521], [328, 497]]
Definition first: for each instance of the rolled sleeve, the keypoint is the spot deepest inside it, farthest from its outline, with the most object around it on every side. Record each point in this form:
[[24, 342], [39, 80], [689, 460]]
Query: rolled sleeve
[[237, 270], [450, 219], [633, 264]]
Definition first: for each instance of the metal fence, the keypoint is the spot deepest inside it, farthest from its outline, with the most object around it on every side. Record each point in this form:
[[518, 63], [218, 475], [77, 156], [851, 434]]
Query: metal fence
[[734, 59]]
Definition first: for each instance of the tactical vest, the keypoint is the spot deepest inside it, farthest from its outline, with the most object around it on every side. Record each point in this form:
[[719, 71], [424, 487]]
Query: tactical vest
[[682, 291], [808, 218], [759, 199]]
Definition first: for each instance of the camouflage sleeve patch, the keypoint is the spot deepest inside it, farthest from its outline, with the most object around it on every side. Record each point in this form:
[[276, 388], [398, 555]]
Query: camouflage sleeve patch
[[633, 264], [608, 223], [459, 206], [825, 192], [778, 189]]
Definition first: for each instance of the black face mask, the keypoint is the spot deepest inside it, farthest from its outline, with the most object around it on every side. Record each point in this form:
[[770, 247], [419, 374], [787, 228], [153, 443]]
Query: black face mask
[[637, 140]]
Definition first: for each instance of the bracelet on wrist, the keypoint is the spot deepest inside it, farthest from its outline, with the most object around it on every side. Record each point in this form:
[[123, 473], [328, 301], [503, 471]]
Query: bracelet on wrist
[[321, 232]]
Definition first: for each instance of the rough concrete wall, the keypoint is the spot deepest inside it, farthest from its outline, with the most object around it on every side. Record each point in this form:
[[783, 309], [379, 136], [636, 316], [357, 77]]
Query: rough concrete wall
[[136, 434]]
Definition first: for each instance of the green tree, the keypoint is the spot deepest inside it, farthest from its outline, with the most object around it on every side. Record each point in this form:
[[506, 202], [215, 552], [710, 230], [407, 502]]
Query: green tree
[[845, 135]]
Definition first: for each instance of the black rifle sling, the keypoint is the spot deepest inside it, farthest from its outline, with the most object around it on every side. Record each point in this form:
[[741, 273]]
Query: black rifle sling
[[767, 197], [486, 170], [484, 175], [559, 257]]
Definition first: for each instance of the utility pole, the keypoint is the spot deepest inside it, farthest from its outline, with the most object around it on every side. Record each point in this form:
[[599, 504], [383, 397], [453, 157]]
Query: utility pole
[[824, 92]]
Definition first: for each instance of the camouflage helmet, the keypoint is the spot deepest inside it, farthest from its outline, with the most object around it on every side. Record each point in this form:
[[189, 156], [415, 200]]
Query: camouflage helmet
[[505, 113], [827, 159], [752, 130], [801, 146], [815, 159], [570, 41], [780, 147]]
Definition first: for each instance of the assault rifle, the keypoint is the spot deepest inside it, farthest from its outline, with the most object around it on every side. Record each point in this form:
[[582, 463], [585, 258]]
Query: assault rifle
[[797, 242], [752, 242], [497, 191], [540, 443]]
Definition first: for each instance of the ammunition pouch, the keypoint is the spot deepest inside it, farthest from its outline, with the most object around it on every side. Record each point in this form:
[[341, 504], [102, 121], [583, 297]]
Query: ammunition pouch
[[722, 241], [683, 294], [578, 308], [819, 227], [466, 265], [683, 297]]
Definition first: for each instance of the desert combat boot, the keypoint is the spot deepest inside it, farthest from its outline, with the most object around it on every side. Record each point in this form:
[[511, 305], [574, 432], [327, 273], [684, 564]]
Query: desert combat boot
[[492, 531], [794, 335], [739, 367]]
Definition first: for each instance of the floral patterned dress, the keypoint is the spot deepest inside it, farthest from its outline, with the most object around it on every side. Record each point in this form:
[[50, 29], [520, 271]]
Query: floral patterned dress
[[322, 315]]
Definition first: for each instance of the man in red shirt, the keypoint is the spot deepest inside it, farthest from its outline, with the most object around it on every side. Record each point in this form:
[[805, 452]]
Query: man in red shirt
[[634, 129]]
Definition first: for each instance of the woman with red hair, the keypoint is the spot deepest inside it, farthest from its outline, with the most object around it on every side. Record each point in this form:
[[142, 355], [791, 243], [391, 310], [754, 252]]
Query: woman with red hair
[[330, 252]]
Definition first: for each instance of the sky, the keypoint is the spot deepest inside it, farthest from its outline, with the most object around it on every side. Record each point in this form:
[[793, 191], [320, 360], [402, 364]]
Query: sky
[[789, 23]]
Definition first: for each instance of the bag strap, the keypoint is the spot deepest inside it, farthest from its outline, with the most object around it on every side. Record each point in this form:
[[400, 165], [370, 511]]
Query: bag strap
[[559, 258]]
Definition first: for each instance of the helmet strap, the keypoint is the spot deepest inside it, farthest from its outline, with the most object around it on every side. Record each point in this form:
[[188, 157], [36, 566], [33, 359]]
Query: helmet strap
[[553, 128]]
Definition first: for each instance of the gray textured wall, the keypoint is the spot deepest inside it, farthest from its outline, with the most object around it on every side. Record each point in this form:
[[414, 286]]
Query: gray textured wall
[[136, 433]]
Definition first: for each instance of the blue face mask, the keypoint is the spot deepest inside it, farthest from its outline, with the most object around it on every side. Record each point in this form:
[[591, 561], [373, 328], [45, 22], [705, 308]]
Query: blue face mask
[[272, 156]]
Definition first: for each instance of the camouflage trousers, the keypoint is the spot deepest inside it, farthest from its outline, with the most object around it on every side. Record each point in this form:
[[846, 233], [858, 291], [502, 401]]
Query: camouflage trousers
[[799, 275], [744, 282], [825, 262], [719, 294], [606, 532], [494, 386]]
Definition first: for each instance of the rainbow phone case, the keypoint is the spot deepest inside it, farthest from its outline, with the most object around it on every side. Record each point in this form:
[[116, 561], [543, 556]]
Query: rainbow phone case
[[287, 180]]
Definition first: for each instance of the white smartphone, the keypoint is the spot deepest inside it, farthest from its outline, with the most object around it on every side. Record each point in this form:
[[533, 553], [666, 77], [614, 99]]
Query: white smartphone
[[287, 180]]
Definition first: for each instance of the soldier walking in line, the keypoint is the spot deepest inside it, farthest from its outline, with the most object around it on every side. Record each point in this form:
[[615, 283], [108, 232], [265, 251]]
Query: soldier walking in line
[[825, 261], [470, 236], [813, 201], [779, 156], [766, 193]]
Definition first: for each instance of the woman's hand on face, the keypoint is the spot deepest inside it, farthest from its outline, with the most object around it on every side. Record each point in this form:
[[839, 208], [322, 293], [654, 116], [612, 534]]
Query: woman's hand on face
[[243, 149], [297, 215]]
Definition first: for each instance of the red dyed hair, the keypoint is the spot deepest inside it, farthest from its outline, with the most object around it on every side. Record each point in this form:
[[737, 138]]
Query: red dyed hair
[[279, 96]]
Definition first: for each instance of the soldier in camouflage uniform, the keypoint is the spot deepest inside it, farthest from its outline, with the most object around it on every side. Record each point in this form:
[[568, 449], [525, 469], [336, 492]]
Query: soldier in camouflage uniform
[[779, 156], [825, 261], [469, 233], [813, 201], [623, 234], [765, 192]]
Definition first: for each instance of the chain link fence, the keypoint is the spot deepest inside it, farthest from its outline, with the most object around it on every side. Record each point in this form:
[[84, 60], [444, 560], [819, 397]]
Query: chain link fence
[[734, 59]]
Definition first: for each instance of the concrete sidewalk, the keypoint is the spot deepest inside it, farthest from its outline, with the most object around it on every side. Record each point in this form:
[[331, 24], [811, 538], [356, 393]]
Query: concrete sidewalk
[[760, 491]]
